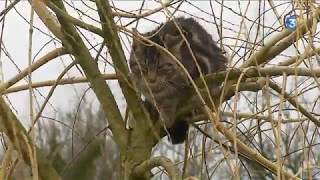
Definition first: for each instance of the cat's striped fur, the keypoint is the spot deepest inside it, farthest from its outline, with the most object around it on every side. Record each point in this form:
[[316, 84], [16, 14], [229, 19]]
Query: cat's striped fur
[[161, 80]]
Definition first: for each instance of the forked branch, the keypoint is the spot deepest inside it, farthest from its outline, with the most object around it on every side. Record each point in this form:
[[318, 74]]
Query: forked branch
[[161, 161]]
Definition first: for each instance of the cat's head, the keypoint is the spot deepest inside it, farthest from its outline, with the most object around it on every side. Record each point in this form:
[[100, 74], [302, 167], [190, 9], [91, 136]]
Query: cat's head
[[151, 66]]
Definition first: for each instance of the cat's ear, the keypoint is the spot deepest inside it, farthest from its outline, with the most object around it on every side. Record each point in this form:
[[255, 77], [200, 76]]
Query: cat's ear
[[173, 41]]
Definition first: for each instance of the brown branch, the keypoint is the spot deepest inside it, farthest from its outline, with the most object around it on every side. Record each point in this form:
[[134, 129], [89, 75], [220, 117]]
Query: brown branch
[[73, 80], [218, 77], [7, 164], [279, 43], [43, 60], [293, 37], [299, 58], [249, 152], [162, 161], [50, 93], [253, 72], [8, 8], [295, 103], [246, 116]]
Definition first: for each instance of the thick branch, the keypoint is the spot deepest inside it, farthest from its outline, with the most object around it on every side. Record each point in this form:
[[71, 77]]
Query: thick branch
[[75, 21], [141, 139], [118, 57], [46, 17], [274, 71], [279, 43], [76, 46], [162, 161], [218, 77]]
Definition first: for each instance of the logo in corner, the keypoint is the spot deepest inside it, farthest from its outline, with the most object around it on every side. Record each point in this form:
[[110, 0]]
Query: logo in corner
[[290, 22]]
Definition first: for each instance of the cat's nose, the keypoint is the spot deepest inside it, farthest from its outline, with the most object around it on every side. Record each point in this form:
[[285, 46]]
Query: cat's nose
[[152, 77]]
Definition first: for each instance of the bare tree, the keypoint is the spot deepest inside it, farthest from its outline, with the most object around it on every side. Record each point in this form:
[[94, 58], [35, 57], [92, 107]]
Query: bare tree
[[262, 124]]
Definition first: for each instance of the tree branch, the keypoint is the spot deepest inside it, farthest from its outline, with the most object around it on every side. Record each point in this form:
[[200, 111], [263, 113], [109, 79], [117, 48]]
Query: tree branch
[[309, 52], [73, 42], [65, 81], [118, 57], [295, 103], [279, 43], [46, 17], [75, 21], [245, 116], [162, 161], [217, 77], [140, 139], [273, 71], [249, 152], [43, 60]]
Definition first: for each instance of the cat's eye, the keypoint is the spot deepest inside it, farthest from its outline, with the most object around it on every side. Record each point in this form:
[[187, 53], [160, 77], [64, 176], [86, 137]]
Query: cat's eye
[[136, 69], [166, 67]]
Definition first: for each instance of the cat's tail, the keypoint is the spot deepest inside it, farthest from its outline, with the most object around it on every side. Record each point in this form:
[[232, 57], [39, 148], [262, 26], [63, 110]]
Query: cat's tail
[[178, 132]]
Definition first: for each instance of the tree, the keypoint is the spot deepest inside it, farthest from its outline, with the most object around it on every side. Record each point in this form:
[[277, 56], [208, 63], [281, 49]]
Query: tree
[[258, 143]]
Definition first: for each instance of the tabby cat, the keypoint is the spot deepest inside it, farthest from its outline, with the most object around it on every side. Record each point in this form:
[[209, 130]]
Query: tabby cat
[[161, 80]]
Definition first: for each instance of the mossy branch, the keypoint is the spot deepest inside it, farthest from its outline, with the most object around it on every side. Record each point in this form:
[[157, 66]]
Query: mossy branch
[[140, 140], [113, 43]]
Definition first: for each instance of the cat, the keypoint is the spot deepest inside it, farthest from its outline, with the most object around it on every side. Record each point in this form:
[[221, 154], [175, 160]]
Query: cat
[[161, 80]]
